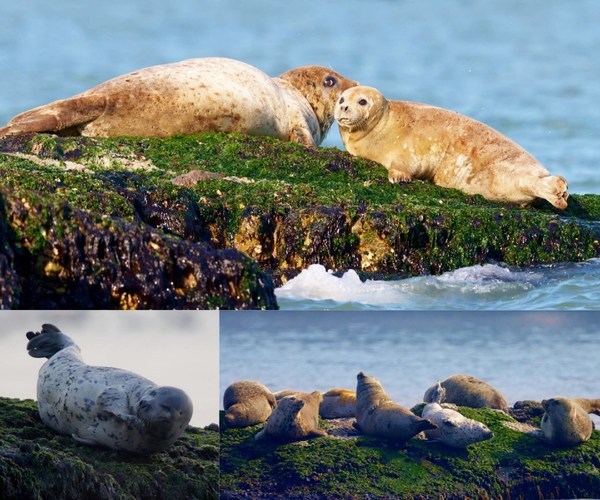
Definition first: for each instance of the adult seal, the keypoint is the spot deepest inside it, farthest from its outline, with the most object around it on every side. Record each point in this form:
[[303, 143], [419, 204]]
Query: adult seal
[[378, 415], [418, 141], [196, 95], [566, 422], [453, 429], [104, 406], [247, 402], [338, 403], [466, 390], [295, 417]]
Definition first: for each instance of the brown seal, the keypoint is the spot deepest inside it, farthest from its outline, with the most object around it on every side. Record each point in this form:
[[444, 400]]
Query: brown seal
[[566, 421], [378, 415], [246, 403], [418, 141], [338, 403], [465, 390], [295, 417], [196, 95]]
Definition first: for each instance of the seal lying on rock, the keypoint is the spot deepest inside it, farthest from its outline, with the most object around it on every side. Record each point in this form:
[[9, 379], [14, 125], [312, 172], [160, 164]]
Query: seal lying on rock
[[101, 405], [417, 141], [196, 95], [338, 403], [378, 415], [246, 403], [453, 429], [566, 421], [295, 417], [465, 390]]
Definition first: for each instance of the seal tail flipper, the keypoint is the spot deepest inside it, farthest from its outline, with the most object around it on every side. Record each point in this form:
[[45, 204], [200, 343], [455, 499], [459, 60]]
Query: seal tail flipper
[[589, 405], [49, 328], [424, 425], [57, 116], [48, 342]]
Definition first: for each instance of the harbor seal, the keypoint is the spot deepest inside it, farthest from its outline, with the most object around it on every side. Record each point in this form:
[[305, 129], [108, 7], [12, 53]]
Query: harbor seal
[[246, 403], [466, 390], [453, 429], [338, 403], [196, 95], [378, 415], [104, 406], [295, 417], [418, 141], [566, 422]]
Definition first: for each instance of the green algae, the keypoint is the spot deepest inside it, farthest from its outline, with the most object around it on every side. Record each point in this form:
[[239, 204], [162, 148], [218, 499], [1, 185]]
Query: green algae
[[37, 463], [287, 206], [511, 464]]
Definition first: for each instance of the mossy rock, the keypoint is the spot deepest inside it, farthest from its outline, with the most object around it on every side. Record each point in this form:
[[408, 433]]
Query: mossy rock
[[37, 463], [276, 206], [511, 465]]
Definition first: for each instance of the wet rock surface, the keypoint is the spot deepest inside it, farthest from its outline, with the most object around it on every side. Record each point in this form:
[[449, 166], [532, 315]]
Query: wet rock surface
[[245, 214]]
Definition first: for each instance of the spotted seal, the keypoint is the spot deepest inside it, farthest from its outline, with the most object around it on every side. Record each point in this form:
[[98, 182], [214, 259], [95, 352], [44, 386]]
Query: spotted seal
[[101, 405], [295, 417], [378, 415], [247, 402], [418, 141], [196, 95]]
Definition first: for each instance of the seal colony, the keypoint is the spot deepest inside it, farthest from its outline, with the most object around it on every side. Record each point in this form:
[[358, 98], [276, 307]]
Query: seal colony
[[418, 141], [294, 415], [196, 95], [103, 406]]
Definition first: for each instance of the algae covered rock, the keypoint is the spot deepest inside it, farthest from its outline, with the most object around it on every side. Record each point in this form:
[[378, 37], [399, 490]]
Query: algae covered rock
[[513, 464], [35, 462], [211, 220]]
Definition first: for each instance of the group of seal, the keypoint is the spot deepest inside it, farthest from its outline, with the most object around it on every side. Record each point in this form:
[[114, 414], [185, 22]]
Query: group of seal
[[292, 415], [412, 140], [103, 406]]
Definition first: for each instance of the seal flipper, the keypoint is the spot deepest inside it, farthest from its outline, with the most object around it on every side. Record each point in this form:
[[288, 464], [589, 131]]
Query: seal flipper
[[48, 342], [63, 115], [87, 442], [113, 401]]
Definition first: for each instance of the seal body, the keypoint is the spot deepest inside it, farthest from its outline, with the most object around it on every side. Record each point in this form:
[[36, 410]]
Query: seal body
[[247, 402], [338, 403], [418, 141], [295, 417], [565, 422], [192, 96], [466, 390], [102, 405], [378, 415]]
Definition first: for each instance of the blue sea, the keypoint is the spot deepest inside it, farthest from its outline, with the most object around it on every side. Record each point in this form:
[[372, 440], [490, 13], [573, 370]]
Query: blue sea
[[529, 69]]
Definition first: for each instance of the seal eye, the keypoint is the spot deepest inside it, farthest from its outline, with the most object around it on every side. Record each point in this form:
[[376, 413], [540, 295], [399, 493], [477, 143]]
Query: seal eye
[[329, 81], [362, 102], [341, 100]]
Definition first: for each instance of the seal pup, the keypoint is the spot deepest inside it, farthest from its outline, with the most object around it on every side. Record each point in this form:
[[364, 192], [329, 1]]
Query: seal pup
[[378, 415], [196, 95], [418, 141], [453, 429], [101, 405], [338, 403], [566, 422], [466, 390], [295, 417], [246, 403]]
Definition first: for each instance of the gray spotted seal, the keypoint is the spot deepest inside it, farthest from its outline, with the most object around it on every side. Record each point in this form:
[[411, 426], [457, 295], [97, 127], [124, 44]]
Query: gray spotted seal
[[466, 390], [453, 429], [101, 405], [566, 422], [418, 141], [378, 415], [295, 417], [196, 95], [247, 402]]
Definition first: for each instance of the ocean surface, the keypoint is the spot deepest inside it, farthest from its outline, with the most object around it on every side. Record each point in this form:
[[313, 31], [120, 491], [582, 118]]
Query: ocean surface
[[524, 354], [180, 349], [529, 69]]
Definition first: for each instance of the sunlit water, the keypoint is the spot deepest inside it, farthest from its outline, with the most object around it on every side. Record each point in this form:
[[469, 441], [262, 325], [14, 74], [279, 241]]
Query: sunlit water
[[529, 69], [180, 349], [526, 355]]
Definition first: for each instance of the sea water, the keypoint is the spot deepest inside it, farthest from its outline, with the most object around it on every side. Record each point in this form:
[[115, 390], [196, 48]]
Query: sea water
[[529, 69]]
